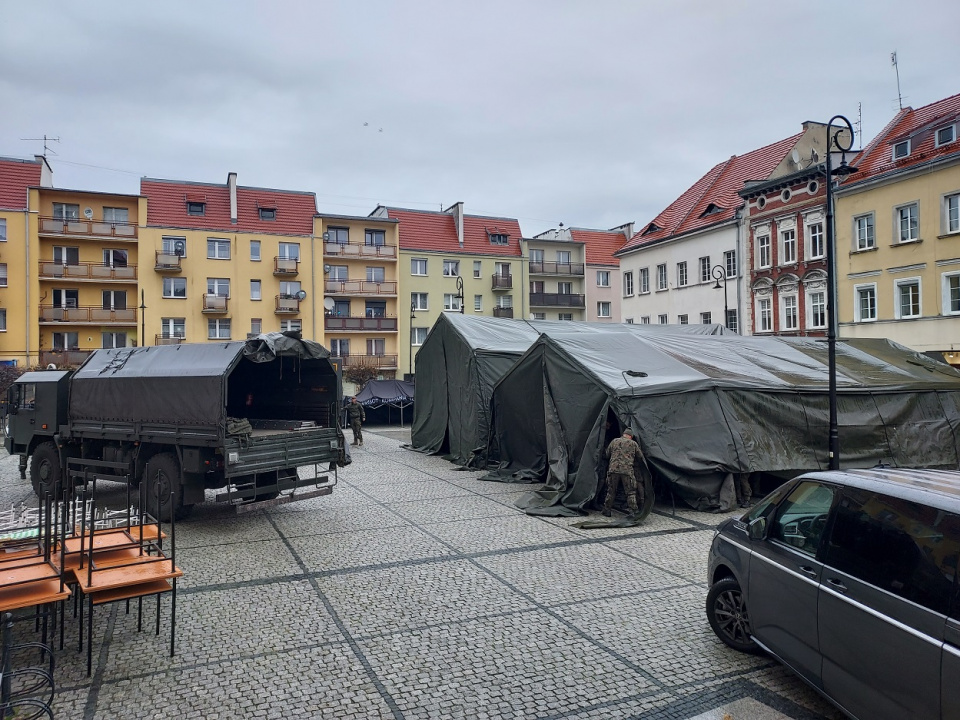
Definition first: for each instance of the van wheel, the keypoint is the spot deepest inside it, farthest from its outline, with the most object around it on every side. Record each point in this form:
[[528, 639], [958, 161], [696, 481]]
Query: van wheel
[[162, 477], [727, 613], [45, 471]]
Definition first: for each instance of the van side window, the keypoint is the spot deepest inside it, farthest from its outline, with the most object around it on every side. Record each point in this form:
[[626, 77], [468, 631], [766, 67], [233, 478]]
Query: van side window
[[899, 546], [802, 517]]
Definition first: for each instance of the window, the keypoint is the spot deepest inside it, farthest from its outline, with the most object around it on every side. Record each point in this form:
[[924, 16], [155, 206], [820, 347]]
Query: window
[[662, 319], [502, 269], [628, 284], [706, 318], [267, 214], [788, 246], [256, 291], [865, 307], [256, 326], [451, 302], [644, 319], [563, 257], [338, 235], [114, 299], [603, 278], [505, 301], [644, 280], [173, 328], [908, 223], [375, 274], [289, 288], [536, 287], [341, 308], [291, 325], [478, 303], [114, 258], [536, 256], [951, 211], [66, 341], [899, 546], [901, 149], [681, 274], [662, 277], [375, 308], [3, 229], [3, 275], [946, 135], [451, 268], [730, 263], [764, 315], [477, 268], [498, 239], [788, 312], [817, 309], [113, 339], [908, 298], [539, 316], [196, 208], [763, 251], [951, 293], [418, 335], [802, 517], [339, 273], [603, 309], [174, 287], [733, 322], [218, 249], [340, 347], [115, 215], [289, 251], [219, 287], [66, 211], [218, 329], [174, 246], [66, 255], [565, 288], [565, 316], [65, 298], [815, 240], [3, 319], [863, 231], [376, 346], [683, 319], [418, 266], [418, 301], [376, 238]]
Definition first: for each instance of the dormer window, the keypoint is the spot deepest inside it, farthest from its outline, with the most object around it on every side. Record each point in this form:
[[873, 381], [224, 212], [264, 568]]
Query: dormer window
[[268, 213], [652, 228], [946, 135], [196, 208], [498, 239], [901, 149], [712, 208]]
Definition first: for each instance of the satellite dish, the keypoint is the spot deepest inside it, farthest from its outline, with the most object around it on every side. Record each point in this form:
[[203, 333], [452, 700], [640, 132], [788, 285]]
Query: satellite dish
[[795, 156], [88, 213], [300, 294], [328, 304]]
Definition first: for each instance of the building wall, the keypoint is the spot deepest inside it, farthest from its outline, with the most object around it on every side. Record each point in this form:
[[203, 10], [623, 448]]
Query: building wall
[[552, 273], [932, 260], [597, 293], [19, 338]]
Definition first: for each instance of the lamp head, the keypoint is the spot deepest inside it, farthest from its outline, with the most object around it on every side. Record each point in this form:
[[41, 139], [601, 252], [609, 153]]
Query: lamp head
[[718, 286]]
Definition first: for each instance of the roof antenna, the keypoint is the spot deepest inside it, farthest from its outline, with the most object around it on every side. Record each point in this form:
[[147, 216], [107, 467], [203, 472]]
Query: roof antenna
[[893, 61], [46, 147]]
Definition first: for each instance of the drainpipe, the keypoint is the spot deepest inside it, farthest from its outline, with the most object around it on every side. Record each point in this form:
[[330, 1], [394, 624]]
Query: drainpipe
[[740, 276], [26, 270]]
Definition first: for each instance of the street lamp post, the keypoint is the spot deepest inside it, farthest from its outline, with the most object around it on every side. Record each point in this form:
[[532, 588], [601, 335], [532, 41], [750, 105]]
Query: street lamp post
[[460, 292], [720, 273], [413, 316], [143, 320], [834, 141]]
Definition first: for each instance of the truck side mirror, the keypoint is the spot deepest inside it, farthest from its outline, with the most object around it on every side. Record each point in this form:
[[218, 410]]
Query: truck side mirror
[[757, 528]]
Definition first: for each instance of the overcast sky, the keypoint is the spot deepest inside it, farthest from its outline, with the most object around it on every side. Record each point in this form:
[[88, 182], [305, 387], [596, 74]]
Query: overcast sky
[[590, 113]]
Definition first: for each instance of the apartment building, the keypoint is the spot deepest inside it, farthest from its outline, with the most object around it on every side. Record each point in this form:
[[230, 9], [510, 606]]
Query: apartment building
[[453, 262], [225, 261], [556, 263], [602, 270]]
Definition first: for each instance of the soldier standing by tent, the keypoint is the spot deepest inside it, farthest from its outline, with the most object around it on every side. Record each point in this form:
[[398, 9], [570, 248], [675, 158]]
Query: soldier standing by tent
[[356, 416], [622, 452]]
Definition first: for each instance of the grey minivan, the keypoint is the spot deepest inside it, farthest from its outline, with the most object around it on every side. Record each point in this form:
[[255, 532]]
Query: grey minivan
[[850, 579]]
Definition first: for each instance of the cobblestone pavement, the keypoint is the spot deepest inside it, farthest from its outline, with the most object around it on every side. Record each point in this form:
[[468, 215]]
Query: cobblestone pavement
[[418, 591]]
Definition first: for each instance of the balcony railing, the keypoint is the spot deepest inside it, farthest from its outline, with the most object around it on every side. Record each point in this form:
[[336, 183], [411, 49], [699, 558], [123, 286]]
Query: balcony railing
[[167, 339], [377, 361], [555, 268], [63, 358], [214, 304], [88, 228], [360, 287], [98, 315], [556, 300], [287, 305], [167, 262], [50, 270], [503, 312], [502, 282], [285, 266], [359, 250], [359, 323]]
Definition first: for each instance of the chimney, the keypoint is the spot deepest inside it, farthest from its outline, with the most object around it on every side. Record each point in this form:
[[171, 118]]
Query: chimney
[[46, 172], [457, 211], [626, 229], [232, 187]]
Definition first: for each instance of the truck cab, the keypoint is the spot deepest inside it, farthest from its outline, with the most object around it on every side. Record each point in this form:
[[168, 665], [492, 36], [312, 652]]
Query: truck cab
[[37, 405]]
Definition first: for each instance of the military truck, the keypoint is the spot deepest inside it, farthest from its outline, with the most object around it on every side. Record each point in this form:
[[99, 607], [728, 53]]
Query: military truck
[[236, 416]]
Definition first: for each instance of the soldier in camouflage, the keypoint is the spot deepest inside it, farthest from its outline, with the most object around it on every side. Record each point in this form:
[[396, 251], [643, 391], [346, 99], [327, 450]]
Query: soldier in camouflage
[[356, 416], [621, 453]]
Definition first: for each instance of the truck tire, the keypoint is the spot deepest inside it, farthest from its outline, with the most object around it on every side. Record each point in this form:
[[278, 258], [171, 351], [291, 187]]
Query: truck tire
[[45, 471], [162, 474]]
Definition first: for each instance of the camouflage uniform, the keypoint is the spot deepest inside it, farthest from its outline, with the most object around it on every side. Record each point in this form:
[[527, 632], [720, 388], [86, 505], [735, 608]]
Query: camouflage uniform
[[621, 453], [356, 416]]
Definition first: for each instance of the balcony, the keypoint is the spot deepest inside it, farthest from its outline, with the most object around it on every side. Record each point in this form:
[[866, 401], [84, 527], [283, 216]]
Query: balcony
[[359, 323], [287, 305], [556, 300], [88, 315], [167, 339], [382, 362], [50, 270], [63, 358], [88, 228], [503, 312], [359, 250], [555, 268], [287, 267], [360, 287], [215, 304], [167, 263], [502, 282]]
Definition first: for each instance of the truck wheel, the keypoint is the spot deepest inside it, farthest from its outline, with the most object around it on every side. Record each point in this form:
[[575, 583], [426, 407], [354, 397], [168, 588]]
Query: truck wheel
[[45, 471], [161, 478]]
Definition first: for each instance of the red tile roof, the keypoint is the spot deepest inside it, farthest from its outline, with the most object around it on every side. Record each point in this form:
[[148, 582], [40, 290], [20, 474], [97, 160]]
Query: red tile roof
[[15, 177], [920, 128], [167, 207], [599, 245], [718, 188], [427, 230]]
